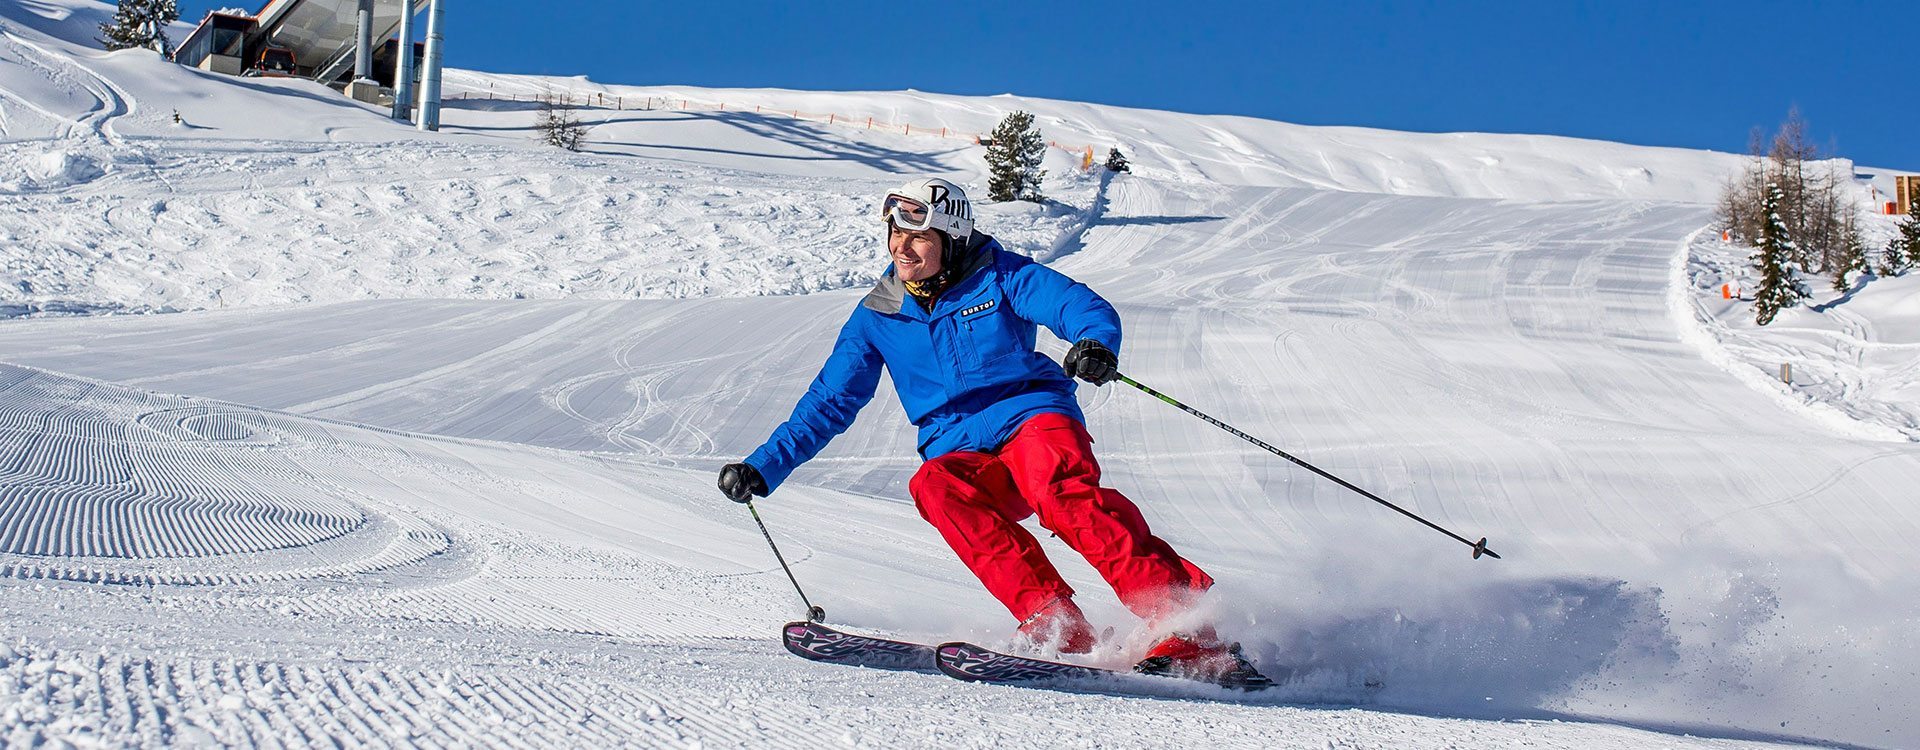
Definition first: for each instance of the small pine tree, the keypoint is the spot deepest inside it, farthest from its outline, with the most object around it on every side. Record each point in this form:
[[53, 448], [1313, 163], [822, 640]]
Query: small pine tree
[[1779, 289], [1116, 162], [1013, 160], [140, 23], [559, 126], [1894, 260], [1909, 239], [1852, 258]]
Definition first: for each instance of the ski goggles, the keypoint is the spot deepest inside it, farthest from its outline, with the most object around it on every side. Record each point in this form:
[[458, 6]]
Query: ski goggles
[[905, 213]]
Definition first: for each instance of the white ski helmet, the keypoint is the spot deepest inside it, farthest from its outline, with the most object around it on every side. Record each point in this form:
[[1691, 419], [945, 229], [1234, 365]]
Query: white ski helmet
[[930, 204]]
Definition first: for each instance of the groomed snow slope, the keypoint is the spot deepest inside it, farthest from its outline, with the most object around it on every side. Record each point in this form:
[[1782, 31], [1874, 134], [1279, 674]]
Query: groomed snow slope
[[419, 521]]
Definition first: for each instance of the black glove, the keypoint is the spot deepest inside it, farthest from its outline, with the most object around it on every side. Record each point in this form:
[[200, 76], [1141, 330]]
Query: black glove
[[740, 482], [1093, 362]]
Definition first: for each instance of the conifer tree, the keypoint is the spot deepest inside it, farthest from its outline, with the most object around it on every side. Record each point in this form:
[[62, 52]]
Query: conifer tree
[[1779, 289], [140, 23], [1852, 258], [1894, 260], [1909, 239], [559, 126], [1116, 162], [1013, 160]]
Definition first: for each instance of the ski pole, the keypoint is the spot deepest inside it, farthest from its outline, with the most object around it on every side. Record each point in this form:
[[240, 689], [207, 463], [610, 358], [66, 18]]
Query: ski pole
[[1479, 547], [814, 614]]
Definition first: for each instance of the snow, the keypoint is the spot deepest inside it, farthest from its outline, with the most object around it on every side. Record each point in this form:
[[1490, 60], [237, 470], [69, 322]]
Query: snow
[[1853, 356], [426, 456]]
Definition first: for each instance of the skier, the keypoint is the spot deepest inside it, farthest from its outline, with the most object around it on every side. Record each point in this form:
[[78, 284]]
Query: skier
[[953, 322]]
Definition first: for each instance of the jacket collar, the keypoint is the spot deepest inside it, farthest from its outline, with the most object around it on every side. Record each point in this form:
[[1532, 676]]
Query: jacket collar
[[890, 294]]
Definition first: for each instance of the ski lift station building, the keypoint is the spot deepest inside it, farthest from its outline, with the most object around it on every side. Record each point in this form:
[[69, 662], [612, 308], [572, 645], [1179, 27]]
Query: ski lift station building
[[317, 39]]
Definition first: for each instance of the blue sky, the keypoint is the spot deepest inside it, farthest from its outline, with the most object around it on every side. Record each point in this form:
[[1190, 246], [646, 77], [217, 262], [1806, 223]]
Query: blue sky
[[1691, 74]]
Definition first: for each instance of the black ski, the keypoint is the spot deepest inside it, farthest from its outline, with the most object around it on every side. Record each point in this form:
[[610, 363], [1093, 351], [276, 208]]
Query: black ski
[[966, 661], [811, 640], [972, 663]]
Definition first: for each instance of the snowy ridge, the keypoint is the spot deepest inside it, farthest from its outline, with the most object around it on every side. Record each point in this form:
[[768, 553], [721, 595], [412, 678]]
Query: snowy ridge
[[362, 495], [1225, 149]]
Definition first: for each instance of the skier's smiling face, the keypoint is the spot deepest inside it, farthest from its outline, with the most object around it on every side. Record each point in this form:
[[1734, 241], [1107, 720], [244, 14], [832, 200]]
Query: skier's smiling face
[[916, 253]]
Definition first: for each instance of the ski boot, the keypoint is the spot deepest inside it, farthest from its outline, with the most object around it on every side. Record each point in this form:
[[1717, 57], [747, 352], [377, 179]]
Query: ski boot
[[1057, 626], [1203, 657]]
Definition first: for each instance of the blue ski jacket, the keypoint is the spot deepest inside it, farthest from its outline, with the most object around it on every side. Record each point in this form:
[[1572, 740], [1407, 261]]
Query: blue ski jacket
[[966, 371]]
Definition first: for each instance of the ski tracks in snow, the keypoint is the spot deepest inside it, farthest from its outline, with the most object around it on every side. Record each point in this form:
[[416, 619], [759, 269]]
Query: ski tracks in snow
[[262, 522], [110, 101], [217, 496], [94, 101], [60, 147], [103, 484], [153, 701]]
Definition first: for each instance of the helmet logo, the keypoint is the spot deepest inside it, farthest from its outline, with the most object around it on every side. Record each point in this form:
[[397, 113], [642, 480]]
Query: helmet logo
[[942, 200]]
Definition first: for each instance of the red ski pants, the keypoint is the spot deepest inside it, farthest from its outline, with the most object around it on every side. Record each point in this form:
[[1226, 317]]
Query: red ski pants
[[977, 501]]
